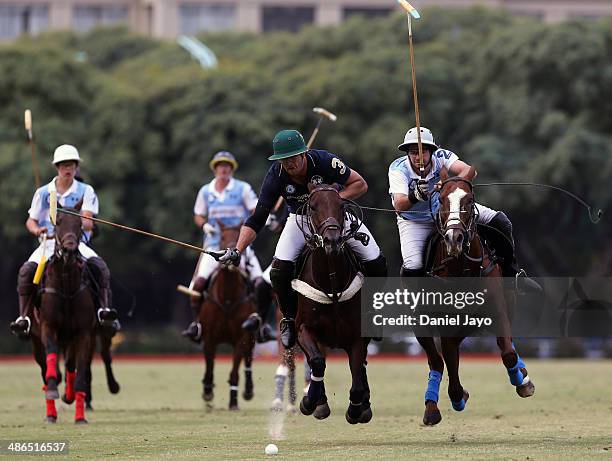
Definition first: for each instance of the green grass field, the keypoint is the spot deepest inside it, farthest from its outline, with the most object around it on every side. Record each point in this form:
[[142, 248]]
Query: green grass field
[[159, 415]]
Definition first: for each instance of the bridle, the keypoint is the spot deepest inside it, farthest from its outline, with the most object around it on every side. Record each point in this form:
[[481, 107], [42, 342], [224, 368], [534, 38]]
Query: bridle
[[351, 211], [468, 228]]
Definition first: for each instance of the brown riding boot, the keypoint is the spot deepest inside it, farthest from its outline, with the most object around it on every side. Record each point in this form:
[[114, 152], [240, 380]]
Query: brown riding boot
[[27, 292], [194, 330], [107, 316]]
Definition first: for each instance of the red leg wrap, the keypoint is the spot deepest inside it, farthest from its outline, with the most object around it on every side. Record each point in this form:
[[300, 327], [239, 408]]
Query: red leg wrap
[[70, 377], [51, 366], [80, 406]]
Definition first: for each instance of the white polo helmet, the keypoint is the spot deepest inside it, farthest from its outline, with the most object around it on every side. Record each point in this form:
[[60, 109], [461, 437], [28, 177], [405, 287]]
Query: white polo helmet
[[412, 138], [64, 153]]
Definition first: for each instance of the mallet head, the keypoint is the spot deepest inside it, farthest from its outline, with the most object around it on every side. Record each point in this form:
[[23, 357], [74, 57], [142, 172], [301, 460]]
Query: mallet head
[[325, 113]]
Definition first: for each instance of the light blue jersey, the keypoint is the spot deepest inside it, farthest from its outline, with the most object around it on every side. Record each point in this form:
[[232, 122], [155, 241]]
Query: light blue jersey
[[403, 179], [231, 207], [78, 191]]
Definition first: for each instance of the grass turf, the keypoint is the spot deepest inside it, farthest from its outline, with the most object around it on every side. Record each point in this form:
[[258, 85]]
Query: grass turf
[[159, 414]]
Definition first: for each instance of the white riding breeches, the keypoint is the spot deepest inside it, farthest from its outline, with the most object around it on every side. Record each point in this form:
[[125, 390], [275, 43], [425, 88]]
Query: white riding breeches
[[413, 235], [49, 245], [292, 241], [266, 275], [248, 262]]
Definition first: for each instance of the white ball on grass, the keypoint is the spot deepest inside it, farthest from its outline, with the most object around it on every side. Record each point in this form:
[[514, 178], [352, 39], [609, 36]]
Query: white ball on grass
[[271, 449]]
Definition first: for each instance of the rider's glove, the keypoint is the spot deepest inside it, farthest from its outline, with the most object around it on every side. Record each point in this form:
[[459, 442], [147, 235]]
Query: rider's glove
[[231, 256], [421, 190]]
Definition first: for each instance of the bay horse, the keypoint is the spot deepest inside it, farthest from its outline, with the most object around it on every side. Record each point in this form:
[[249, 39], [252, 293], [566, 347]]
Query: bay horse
[[329, 300], [460, 252], [67, 316], [225, 306]]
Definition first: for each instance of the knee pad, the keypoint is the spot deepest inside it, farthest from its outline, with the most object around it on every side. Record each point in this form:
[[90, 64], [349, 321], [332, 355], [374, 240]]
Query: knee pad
[[100, 271], [282, 273], [25, 277], [501, 222]]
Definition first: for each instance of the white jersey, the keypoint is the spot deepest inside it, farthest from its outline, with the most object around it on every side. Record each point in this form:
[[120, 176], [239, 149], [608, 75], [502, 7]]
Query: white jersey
[[403, 179]]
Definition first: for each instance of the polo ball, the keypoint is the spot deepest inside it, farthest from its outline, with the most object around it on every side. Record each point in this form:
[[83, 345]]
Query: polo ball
[[271, 449]]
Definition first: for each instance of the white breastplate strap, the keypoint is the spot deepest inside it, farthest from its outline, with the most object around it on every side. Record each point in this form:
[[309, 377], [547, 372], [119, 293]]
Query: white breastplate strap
[[318, 296]]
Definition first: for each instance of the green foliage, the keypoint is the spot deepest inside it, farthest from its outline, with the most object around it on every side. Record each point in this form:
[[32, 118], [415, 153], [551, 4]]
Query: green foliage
[[520, 100]]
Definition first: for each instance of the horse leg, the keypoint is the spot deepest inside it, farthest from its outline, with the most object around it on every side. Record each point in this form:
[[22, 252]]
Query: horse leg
[[248, 371], [49, 338], [70, 365], [450, 351], [84, 354], [359, 410], [209, 358], [105, 352], [432, 415], [315, 401], [233, 378], [39, 355], [292, 392], [517, 372]]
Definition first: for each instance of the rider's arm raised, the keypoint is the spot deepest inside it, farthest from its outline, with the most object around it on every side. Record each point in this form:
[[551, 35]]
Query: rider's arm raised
[[461, 169]]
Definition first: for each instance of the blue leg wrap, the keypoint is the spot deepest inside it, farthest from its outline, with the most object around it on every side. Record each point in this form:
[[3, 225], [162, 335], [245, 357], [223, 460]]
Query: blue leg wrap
[[515, 374], [520, 362], [458, 406], [433, 386]]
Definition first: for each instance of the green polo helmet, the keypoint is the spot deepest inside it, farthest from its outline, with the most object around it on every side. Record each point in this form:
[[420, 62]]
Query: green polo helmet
[[287, 143]]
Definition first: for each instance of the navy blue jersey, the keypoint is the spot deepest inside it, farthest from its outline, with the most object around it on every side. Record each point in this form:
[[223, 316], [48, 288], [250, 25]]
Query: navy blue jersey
[[322, 167]]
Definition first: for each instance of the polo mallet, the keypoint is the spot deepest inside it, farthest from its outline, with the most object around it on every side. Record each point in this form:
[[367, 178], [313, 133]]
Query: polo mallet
[[412, 12], [189, 290], [323, 113], [28, 126], [214, 254]]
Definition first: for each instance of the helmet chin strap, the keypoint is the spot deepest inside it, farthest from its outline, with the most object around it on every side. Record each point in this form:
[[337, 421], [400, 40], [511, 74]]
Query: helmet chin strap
[[416, 168]]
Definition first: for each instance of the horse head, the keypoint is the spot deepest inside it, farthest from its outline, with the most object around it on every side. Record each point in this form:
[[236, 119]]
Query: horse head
[[326, 216], [68, 233], [229, 235], [456, 213]]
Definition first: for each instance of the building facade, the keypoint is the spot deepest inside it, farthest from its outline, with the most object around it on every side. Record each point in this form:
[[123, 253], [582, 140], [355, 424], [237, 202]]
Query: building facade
[[170, 18]]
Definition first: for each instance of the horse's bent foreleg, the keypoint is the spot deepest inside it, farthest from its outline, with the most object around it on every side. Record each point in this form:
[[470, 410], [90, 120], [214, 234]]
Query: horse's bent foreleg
[[432, 413], [450, 351], [316, 400], [105, 352], [49, 339], [359, 410]]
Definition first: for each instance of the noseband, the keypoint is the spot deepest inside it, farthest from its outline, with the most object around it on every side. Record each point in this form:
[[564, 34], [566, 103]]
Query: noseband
[[467, 228]]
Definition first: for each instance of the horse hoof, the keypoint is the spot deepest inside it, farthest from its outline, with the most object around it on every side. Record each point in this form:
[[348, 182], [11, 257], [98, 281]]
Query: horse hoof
[[234, 408], [88, 406], [460, 404], [248, 395], [431, 418], [80, 422], [66, 400], [114, 388], [526, 390], [322, 411], [51, 394], [366, 416], [51, 419], [306, 407], [208, 397], [291, 409]]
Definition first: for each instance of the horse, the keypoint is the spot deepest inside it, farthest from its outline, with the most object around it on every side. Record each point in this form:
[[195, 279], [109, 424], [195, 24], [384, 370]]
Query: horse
[[225, 306], [67, 316], [329, 300], [459, 251]]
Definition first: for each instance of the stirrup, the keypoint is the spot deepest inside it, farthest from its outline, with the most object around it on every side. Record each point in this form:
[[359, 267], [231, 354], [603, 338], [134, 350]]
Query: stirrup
[[189, 333], [252, 323], [104, 319], [19, 319], [529, 285]]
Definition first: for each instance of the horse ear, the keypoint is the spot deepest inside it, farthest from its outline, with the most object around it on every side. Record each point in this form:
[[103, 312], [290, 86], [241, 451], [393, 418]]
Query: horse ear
[[79, 205], [443, 174], [471, 174]]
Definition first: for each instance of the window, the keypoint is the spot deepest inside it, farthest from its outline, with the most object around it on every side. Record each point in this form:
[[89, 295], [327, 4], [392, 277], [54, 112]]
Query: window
[[22, 19], [369, 12], [86, 18], [285, 18], [194, 17]]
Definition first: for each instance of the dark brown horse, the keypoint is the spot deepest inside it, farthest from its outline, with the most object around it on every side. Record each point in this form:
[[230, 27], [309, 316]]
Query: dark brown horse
[[329, 303], [460, 252], [67, 314], [226, 305]]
